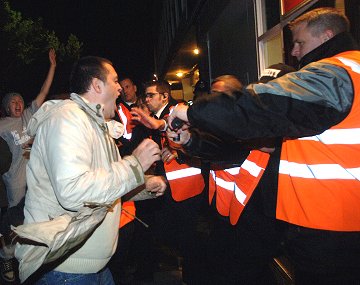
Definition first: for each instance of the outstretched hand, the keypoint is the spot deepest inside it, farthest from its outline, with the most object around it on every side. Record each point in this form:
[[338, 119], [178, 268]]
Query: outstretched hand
[[138, 115], [147, 153], [44, 91]]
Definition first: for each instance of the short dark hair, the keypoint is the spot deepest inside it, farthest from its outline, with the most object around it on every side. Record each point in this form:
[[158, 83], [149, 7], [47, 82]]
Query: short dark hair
[[162, 86], [321, 19], [84, 70], [127, 78]]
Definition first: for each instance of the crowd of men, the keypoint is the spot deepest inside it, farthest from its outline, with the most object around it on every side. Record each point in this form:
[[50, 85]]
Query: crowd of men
[[275, 163]]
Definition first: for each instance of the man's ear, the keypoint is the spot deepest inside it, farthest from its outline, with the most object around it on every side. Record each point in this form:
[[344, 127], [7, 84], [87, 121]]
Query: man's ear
[[165, 95], [327, 35], [96, 84]]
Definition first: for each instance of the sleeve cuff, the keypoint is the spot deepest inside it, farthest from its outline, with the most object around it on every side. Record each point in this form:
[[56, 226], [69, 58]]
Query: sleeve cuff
[[165, 127]]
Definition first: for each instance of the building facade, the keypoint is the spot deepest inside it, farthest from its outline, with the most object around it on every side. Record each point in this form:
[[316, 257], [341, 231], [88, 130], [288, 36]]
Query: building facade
[[239, 37]]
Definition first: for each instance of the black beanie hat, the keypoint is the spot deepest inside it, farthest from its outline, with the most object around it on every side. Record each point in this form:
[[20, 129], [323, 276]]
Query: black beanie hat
[[275, 71]]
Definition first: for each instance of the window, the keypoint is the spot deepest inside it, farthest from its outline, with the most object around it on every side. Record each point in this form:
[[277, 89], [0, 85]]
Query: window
[[270, 26]]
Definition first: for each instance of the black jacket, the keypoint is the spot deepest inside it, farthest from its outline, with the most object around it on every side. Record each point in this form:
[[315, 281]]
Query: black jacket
[[302, 103]]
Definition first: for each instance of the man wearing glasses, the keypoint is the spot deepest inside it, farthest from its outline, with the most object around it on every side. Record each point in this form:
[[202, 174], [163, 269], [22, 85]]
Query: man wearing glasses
[[159, 102]]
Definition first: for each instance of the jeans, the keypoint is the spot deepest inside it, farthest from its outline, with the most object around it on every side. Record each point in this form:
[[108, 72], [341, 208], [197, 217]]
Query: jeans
[[103, 277]]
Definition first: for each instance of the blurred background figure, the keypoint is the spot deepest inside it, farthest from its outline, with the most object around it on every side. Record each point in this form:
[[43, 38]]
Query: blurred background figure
[[13, 130], [227, 84], [201, 89], [5, 162], [129, 92]]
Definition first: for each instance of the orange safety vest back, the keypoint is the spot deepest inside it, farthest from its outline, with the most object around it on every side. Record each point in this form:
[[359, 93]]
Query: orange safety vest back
[[234, 186], [125, 116], [128, 212], [319, 176], [185, 181]]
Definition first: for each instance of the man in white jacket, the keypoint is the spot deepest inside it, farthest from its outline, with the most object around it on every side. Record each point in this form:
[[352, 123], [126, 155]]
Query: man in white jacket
[[75, 161]]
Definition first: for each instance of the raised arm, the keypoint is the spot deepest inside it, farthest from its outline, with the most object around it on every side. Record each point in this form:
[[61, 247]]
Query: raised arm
[[298, 104], [140, 116], [44, 91]]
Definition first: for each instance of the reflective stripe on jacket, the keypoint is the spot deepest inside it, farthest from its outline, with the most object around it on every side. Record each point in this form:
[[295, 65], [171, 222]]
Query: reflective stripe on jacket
[[319, 176], [185, 181], [125, 116], [234, 186]]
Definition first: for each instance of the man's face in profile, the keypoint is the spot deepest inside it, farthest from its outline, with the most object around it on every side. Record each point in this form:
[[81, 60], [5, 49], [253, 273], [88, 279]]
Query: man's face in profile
[[111, 91], [304, 41]]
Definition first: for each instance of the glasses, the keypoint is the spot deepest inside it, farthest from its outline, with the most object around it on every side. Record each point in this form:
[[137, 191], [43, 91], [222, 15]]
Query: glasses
[[151, 95]]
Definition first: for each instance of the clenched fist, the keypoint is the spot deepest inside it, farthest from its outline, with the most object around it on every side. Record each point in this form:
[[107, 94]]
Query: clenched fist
[[147, 153], [156, 185]]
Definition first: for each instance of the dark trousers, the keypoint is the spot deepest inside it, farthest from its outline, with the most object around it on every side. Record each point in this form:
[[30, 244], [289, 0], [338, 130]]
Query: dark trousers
[[175, 225], [241, 254], [120, 261], [143, 250], [324, 257], [13, 216], [188, 224]]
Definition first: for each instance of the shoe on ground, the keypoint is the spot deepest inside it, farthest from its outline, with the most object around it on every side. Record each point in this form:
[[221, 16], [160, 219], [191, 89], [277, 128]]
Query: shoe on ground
[[7, 270]]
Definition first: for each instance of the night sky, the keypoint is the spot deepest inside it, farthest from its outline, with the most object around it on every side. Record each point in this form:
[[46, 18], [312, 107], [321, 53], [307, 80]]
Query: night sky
[[120, 30]]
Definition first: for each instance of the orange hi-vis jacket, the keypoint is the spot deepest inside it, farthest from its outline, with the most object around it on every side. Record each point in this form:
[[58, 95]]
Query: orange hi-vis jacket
[[319, 176], [129, 210], [185, 181], [234, 186], [125, 116]]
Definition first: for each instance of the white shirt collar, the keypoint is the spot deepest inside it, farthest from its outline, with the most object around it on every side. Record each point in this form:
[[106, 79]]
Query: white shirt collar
[[158, 113]]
